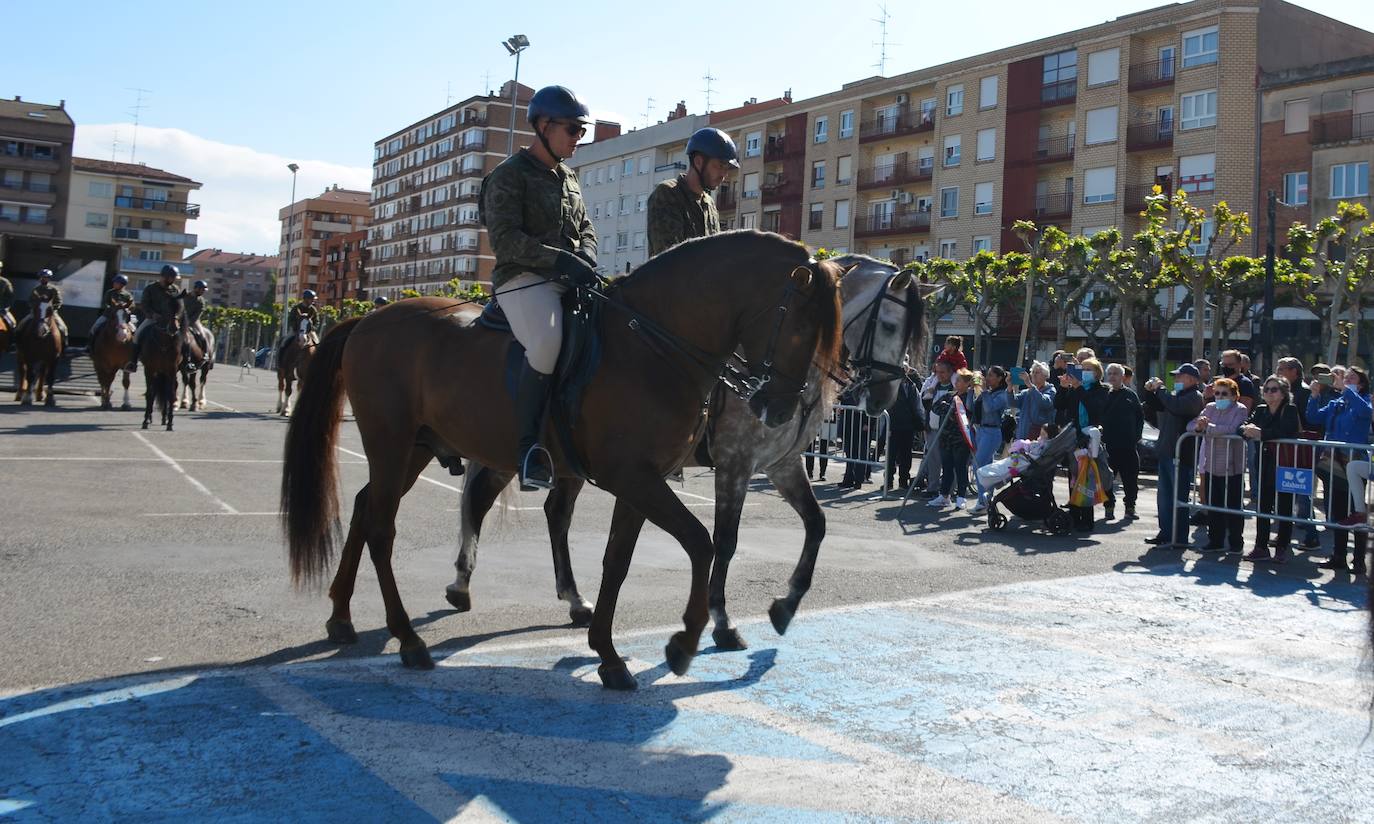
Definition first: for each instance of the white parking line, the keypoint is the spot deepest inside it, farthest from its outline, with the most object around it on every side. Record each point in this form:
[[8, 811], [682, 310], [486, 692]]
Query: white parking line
[[199, 514], [167, 459], [222, 406]]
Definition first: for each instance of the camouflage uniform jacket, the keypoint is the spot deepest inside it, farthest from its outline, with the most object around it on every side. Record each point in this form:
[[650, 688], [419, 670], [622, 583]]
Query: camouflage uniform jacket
[[299, 312], [51, 293], [193, 305], [119, 298], [6, 294], [531, 212], [675, 215], [158, 302]]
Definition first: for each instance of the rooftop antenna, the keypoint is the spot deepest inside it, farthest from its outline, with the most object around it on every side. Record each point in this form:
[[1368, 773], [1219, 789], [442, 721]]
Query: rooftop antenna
[[884, 42], [137, 112], [648, 112], [448, 94], [486, 81], [709, 80], [114, 146]]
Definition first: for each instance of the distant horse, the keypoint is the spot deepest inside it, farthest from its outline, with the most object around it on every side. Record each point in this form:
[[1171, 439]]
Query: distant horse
[[6, 333], [111, 350], [161, 357], [422, 379], [882, 318], [196, 363], [40, 348], [291, 365]]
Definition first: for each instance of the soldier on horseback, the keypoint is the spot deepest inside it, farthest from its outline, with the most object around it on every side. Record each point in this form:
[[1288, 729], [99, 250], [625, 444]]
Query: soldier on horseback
[[379, 301], [193, 305], [44, 292], [543, 240], [116, 297], [682, 208], [302, 311], [157, 306], [6, 297]]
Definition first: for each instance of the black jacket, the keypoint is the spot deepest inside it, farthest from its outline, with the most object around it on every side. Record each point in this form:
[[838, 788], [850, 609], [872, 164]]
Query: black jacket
[[1123, 420], [1067, 399], [1285, 424], [1175, 411], [906, 413], [1301, 393]]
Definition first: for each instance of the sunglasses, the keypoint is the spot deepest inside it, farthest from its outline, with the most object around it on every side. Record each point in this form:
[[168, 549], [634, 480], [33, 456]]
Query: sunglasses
[[573, 129], [1273, 390]]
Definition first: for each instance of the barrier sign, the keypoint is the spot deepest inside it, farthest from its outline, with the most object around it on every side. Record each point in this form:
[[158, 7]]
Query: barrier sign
[[1296, 481]]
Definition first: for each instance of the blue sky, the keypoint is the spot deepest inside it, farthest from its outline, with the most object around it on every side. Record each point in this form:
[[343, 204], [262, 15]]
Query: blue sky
[[239, 88]]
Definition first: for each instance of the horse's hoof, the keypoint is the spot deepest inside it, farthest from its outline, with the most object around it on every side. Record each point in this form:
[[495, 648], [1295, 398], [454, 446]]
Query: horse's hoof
[[581, 615], [781, 614], [678, 654], [126, 407], [728, 638], [341, 632], [461, 600], [417, 657], [617, 677], [145, 424]]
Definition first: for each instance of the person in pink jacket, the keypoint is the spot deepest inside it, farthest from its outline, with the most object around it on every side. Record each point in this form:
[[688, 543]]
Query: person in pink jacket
[[1221, 461]]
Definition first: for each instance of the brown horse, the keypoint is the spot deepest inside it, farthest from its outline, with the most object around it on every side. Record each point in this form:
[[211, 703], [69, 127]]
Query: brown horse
[[112, 348], [196, 363], [161, 358], [40, 344], [292, 363], [423, 379], [6, 333]]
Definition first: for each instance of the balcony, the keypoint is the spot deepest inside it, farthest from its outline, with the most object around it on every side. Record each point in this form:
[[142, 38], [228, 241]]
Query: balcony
[[727, 201], [675, 166], [156, 236], [1059, 94], [470, 173], [899, 223], [44, 194], [1149, 135], [190, 210], [14, 225], [467, 197], [1150, 75], [474, 120], [780, 191], [1339, 127], [469, 221], [478, 145], [906, 122], [1054, 149], [1051, 205], [29, 162], [140, 265], [775, 151], [1133, 201], [897, 173]]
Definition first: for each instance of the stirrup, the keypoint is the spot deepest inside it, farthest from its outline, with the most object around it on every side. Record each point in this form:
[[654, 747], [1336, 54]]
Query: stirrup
[[528, 484]]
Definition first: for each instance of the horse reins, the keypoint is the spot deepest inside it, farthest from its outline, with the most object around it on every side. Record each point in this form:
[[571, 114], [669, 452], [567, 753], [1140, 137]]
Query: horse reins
[[864, 364]]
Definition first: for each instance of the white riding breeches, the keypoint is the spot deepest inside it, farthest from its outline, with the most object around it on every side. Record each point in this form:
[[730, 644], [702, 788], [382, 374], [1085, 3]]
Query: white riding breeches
[[1358, 473], [534, 308]]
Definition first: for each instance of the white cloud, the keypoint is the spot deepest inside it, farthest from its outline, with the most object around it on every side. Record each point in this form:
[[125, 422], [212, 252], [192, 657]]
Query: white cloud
[[242, 188]]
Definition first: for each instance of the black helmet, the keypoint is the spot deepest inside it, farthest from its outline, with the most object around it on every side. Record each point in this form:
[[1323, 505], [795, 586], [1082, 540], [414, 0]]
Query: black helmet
[[200, 284], [714, 143], [558, 103], [309, 294], [169, 269], [380, 300], [121, 279]]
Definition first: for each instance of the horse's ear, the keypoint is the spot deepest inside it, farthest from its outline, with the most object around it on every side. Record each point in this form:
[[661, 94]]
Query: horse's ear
[[929, 290], [844, 270], [902, 279]]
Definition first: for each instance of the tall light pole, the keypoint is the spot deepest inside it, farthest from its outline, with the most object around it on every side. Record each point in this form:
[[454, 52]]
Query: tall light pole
[[514, 46], [290, 235]]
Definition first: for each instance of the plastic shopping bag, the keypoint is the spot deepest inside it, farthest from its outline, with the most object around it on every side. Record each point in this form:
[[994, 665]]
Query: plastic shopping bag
[[1088, 490]]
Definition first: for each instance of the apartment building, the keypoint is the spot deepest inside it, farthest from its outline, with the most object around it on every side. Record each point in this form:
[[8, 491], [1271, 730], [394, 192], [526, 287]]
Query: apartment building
[[35, 167], [345, 268], [306, 225], [426, 177], [145, 210], [236, 279]]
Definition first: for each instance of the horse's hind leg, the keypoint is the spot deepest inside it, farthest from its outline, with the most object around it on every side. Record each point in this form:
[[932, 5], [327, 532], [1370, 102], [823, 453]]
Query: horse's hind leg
[[339, 627], [626, 522], [791, 483], [388, 483], [126, 404], [732, 484], [558, 511], [481, 488], [150, 394], [49, 376]]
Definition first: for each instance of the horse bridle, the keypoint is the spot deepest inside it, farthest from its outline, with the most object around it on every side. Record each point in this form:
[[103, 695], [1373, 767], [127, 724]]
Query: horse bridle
[[863, 364]]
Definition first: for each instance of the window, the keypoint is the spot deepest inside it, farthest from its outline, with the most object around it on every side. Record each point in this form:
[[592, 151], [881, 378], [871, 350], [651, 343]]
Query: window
[[987, 144], [982, 243], [1200, 47], [844, 169], [949, 249], [596, 211], [949, 201], [1199, 110], [9, 212], [101, 221], [953, 150], [954, 100], [1104, 67], [925, 160], [150, 254], [928, 110], [748, 220], [639, 240], [817, 215], [622, 241], [822, 132], [987, 92], [628, 168], [601, 175], [1101, 126], [750, 186], [1099, 185], [1350, 180], [1197, 173], [847, 124], [753, 144], [1200, 242], [610, 208], [841, 214], [1295, 116], [624, 204], [1059, 71], [818, 174], [646, 165], [610, 172], [37, 214], [101, 189], [1295, 188], [641, 203], [982, 198]]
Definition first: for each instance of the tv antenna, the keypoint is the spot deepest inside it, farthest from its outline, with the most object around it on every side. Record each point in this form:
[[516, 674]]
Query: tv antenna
[[648, 112], [137, 113], [883, 43], [709, 80]]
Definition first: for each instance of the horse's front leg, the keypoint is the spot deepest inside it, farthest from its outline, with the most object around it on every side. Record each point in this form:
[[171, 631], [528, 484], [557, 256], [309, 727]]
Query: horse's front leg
[[125, 404], [481, 487], [558, 510], [732, 484]]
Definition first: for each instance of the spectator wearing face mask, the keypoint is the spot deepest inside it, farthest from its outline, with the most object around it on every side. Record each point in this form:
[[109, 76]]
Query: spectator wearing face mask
[[1221, 460], [1123, 421], [1174, 411], [1084, 399]]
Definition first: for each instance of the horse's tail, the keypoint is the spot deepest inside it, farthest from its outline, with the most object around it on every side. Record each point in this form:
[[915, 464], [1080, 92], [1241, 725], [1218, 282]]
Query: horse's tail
[[309, 479]]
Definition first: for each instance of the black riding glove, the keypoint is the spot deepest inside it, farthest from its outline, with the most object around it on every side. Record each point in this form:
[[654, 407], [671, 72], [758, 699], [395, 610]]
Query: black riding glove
[[587, 255], [575, 269]]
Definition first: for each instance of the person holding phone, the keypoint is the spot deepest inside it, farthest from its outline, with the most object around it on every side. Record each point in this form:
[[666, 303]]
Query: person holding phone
[[1123, 421], [1083, 396], [1034, 403], [1173, 411]]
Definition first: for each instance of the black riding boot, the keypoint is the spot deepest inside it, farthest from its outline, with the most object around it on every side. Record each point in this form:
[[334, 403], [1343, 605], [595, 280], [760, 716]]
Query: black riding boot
[[532, 395], [132, 365]]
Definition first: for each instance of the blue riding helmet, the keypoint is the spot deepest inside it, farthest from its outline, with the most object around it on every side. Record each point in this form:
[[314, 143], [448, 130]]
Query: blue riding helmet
[[171, 271], [200, 284], [120, 279], [380, 301], [714, 143], [558, 103], [308, 294], [45, 274]]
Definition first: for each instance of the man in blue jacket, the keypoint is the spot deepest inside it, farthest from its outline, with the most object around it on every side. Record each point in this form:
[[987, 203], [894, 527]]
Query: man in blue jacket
[[1174, 410]]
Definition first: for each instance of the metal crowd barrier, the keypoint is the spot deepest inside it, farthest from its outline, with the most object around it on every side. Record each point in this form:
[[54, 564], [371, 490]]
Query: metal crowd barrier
[[1297, 465], [863, 438]]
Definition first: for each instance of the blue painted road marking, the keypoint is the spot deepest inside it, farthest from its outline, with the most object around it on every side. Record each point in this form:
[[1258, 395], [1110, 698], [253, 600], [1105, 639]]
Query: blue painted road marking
[[1203, 691]]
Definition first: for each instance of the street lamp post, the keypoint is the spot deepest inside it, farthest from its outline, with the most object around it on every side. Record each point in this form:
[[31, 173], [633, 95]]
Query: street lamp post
[[290, 236], [414, 252], [1269, 286], [514, 46]]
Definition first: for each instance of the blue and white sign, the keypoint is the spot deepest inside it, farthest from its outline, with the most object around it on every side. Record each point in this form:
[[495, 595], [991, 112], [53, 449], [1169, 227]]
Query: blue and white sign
[[1296, 481]]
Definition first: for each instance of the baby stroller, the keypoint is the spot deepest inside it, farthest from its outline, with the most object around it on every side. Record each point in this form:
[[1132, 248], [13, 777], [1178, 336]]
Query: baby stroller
[[1031, 495]]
